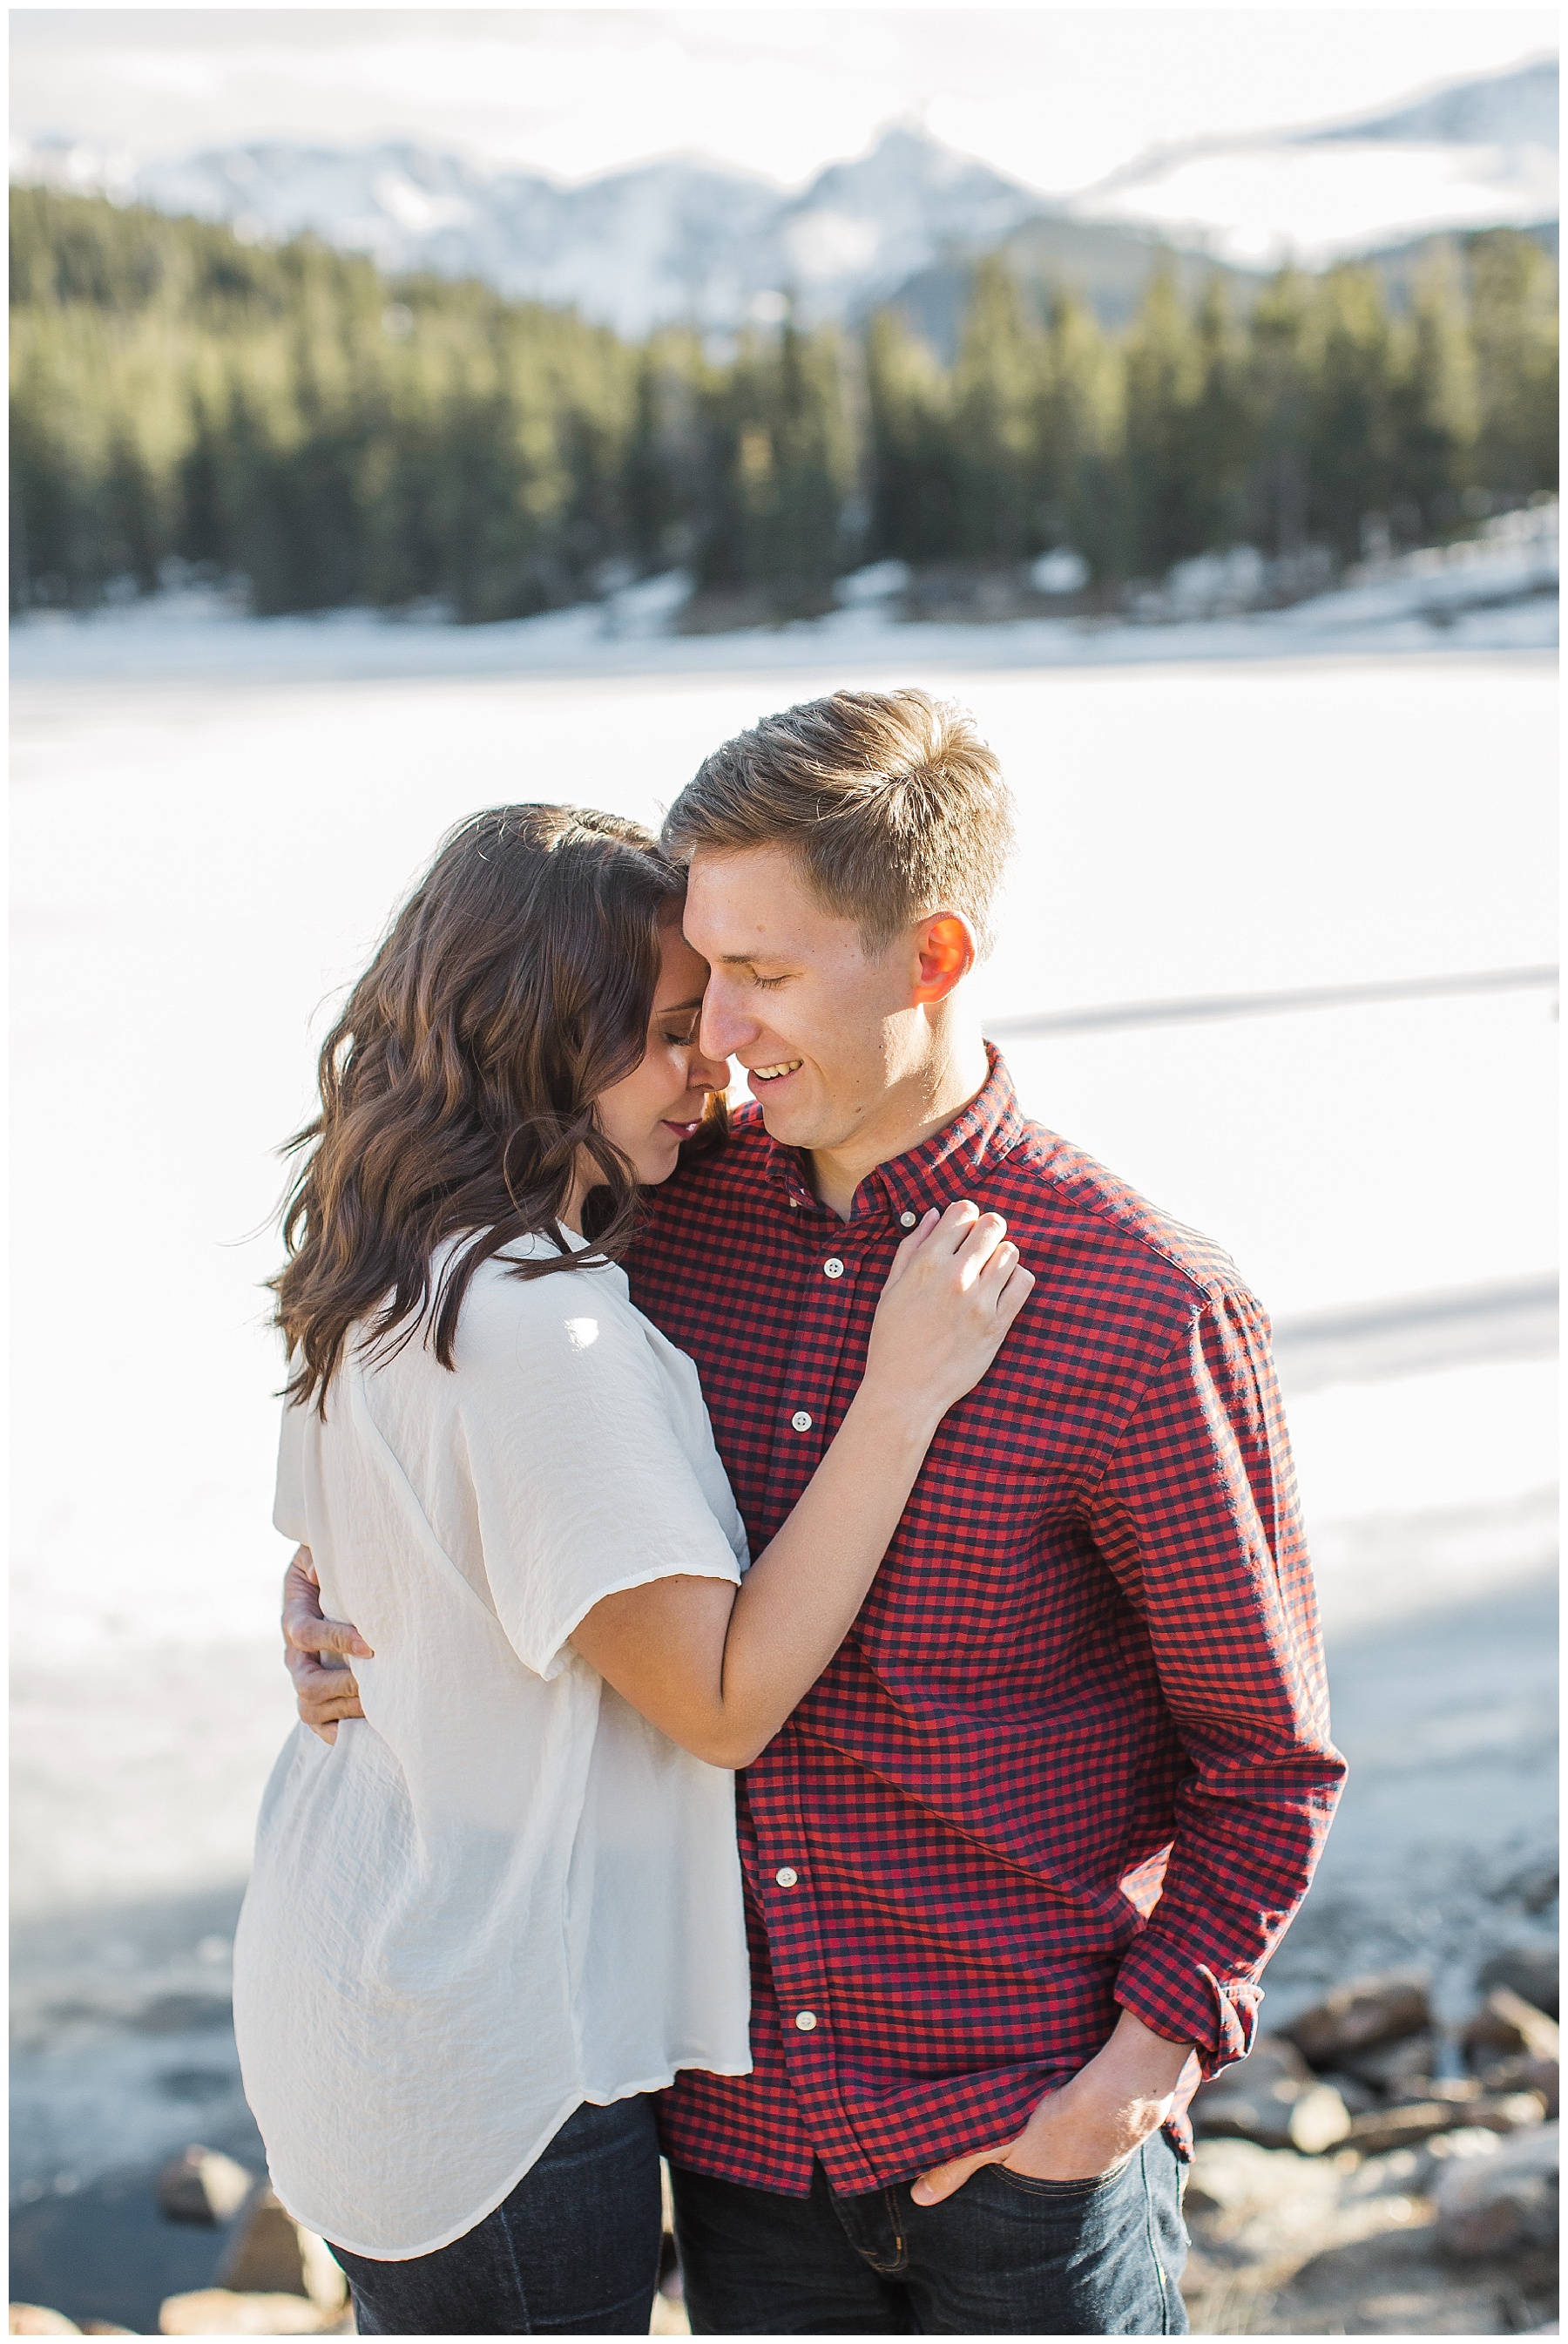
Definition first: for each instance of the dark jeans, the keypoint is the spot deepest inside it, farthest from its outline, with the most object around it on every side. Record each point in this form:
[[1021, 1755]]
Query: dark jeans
[[1004, 2256], [573, 2251]]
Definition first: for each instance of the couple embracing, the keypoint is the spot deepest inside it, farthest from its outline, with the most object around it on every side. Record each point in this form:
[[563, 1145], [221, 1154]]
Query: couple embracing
[[833, 1691]]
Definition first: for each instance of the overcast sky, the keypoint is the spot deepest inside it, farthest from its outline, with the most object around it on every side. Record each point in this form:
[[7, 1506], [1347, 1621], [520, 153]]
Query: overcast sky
[[1055, 96]]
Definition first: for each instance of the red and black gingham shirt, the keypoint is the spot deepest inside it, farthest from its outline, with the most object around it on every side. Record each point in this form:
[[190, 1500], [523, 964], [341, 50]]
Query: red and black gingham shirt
[[1074, 1751]]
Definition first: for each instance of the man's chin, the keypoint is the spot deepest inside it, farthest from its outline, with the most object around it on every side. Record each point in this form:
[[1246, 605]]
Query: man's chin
[[786, 1120], [793, 1123]]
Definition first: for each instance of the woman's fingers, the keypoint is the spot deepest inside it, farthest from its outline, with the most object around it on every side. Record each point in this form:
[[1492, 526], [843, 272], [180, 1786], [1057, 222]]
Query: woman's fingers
[[979, 1246], [303, 1628], [323, 1696], [955, 1223], [908, 1246], [1015, 1294]]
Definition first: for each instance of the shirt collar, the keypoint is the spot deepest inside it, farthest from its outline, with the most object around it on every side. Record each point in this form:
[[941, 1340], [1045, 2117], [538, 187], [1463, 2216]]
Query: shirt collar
[[940, 1170]]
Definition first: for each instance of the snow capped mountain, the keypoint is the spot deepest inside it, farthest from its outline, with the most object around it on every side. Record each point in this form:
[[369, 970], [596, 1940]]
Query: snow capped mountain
[[685, 240], [1512, 109], [668, 241], [862, 228], [1479, 154]]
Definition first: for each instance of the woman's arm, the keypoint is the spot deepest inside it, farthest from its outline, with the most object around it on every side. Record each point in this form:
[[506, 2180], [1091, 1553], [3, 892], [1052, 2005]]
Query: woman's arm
[[718, 1668]]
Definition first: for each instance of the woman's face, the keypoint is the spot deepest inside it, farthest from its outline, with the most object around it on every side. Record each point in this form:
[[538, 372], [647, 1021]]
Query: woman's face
[[649, 1112]]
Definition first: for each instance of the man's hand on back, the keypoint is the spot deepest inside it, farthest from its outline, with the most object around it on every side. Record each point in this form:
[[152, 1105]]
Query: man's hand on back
[[324, 1686], [1097, 2117]]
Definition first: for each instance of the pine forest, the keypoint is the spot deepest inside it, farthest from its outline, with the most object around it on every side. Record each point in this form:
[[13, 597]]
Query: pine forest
[[287, 417]]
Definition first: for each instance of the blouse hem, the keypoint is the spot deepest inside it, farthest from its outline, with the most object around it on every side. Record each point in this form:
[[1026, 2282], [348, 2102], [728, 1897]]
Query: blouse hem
[[460, 2228]]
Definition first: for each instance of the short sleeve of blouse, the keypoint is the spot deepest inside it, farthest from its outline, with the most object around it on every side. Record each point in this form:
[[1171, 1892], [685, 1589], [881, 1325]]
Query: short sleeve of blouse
[[583, 1484], [288, 1494]]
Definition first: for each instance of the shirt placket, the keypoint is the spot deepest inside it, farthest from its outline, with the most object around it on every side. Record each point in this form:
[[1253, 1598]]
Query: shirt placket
[[835, 1312]]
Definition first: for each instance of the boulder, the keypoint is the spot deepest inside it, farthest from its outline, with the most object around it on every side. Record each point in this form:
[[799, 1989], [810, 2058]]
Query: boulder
[[35, 2319], [1356, 2018], [1499, 2205], [1529, 1971], [1396, 2067], [1272, 2097], [203, 2186], [272, 2253], [1402, 2128], [1518, 2075], [218, 2312], [1534, 2031], [1357, 2096]]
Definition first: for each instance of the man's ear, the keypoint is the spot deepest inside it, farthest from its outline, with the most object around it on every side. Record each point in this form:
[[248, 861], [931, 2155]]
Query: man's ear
[[946, 952]]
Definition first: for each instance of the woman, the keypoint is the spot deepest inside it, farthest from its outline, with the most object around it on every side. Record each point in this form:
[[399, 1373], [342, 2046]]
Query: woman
[[492, 1917]]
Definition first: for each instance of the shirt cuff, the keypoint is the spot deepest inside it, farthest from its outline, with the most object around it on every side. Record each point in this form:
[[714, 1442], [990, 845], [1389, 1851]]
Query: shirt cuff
[[1184, 2001]]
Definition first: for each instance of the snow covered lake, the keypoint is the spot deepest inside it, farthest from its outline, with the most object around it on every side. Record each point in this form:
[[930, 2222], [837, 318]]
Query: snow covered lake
[[210, 826]]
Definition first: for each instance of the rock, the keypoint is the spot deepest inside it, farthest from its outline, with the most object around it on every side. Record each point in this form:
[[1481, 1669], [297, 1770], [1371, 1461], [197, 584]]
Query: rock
[[218, 2312], [33, 2319], [1357, 2096], [1397, 2284], [1464, 2140], [1496, 2205], [272, 2253], [203, 2186], [1400, 2127], [1358, 2017], [1536, 2033], [1272, 2096], [1523, 2075], [1529, 1971], [1396, 2067], [1455, 2091], [1318, 2120]]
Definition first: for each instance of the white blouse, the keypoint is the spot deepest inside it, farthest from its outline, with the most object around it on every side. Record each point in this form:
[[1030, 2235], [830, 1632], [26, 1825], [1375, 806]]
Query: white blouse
[[504, 1892]]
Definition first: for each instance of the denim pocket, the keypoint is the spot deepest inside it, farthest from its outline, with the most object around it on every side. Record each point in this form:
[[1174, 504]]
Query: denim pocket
[[1032, 2185]]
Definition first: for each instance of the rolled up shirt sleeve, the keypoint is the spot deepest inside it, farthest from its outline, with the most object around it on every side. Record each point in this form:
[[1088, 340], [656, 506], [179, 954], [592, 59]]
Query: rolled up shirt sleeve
[[1197, 1516]]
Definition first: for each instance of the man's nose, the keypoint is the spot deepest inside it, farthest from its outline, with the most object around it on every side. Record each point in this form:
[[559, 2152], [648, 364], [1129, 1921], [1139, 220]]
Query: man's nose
[[706, 1071], [724, 1027]]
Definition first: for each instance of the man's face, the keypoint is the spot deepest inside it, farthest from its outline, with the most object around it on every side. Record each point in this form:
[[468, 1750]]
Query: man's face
[[822, 1028]]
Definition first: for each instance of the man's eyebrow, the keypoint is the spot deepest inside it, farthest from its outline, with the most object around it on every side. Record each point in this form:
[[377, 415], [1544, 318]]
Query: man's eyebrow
[[748, 960]]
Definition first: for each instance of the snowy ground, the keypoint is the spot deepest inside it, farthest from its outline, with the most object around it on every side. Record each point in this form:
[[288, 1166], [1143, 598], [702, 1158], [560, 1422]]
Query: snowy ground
[[211, 820], [1475, 596]]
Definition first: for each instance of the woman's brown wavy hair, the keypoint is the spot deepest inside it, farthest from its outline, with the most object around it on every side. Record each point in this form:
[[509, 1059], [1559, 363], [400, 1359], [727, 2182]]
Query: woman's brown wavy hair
[[457, 1086]]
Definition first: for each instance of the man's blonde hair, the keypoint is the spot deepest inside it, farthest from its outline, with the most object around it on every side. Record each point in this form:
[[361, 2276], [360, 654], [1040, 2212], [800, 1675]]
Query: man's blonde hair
[[895, 805]]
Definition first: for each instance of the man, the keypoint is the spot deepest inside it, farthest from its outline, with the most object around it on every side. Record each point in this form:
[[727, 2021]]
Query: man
[[1015, 1863]]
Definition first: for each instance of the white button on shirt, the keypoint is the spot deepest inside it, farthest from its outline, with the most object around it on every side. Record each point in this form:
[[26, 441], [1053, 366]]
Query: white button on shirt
[[785, 1876], [800, 1420], [503, 1894], [833, 1267], [907, 1220], [805, 2020]]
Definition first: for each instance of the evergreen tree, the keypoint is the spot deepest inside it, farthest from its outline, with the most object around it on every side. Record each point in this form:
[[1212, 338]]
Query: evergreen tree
[[917, 492], [1513, 310], [291, 416], [1000, 378], [1079, 429], [1353, 413], [1438, 412]]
